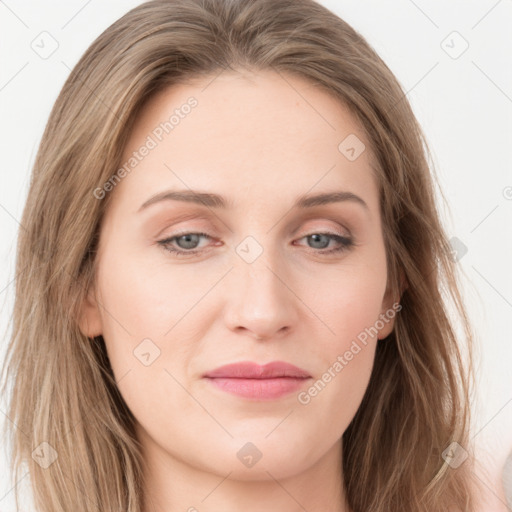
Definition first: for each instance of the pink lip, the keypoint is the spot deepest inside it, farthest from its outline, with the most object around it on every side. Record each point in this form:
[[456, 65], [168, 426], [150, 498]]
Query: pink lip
[[250, 380]]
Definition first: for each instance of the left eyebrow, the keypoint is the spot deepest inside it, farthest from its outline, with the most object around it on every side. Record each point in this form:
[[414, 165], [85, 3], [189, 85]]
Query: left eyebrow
[[217, 201], [309, 201]]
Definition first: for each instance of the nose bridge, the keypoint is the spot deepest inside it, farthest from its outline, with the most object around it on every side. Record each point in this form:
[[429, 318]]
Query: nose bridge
[[261, 301]]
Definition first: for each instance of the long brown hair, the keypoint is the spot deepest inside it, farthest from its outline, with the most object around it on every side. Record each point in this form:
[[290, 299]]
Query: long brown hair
[[396, 451]]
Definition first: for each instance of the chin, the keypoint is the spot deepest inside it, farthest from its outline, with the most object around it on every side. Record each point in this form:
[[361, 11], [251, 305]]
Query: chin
[[255, 457]]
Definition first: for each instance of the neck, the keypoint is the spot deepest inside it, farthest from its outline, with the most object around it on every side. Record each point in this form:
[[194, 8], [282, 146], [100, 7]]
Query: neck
[[172, 485]]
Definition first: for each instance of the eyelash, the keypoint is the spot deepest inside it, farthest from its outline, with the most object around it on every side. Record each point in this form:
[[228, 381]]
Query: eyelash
[[346, 244]]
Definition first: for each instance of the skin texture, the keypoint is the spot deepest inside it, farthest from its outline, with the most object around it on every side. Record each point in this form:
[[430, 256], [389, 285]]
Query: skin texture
[[261, 140]]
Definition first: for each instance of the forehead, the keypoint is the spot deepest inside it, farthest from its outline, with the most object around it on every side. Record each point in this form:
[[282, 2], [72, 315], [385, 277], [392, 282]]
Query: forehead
[[265, 135]]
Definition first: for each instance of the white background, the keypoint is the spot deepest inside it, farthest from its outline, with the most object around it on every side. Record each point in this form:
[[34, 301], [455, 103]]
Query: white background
[[464, 105]]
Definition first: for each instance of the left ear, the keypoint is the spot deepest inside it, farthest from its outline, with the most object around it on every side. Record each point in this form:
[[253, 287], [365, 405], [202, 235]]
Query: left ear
[[390, 308]]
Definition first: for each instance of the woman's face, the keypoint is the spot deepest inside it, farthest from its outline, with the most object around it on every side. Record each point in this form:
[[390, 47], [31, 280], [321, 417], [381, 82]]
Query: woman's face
[[264, 275]]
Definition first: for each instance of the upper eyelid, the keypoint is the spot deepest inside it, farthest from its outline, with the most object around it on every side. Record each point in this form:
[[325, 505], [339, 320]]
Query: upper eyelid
[[201, 232], [341, 225]]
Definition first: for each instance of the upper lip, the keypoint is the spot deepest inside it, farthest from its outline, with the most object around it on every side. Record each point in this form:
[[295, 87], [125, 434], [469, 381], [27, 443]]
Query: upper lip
[[250, 370]]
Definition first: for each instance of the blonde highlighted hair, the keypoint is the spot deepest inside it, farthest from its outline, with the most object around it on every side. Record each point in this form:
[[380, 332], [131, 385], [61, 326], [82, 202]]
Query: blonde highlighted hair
[[61, 385]]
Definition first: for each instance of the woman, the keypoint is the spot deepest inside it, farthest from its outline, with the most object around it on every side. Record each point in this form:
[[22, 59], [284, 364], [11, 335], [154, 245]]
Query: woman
[[180, 341]]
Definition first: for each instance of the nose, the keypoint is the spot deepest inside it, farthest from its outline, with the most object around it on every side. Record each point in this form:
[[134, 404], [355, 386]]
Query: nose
[[261, 302]]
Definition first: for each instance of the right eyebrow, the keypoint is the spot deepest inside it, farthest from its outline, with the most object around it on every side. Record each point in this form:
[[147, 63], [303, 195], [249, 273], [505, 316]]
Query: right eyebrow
[[191, 196]]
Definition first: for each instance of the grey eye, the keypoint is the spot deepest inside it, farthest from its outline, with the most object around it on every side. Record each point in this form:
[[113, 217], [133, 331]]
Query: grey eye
[[191, 240]]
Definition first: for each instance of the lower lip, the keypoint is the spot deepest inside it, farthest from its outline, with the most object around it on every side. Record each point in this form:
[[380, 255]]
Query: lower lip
[[259, 389]]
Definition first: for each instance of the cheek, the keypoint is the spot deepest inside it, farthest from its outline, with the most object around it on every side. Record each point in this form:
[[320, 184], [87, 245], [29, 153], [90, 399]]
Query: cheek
[[143, 299], [143, 306], [347, 356], [149, 333], [334, 396], [349, 307]]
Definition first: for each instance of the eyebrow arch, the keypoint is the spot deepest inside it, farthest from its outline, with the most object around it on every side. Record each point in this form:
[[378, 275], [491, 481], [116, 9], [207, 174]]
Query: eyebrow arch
[[216, 201]]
